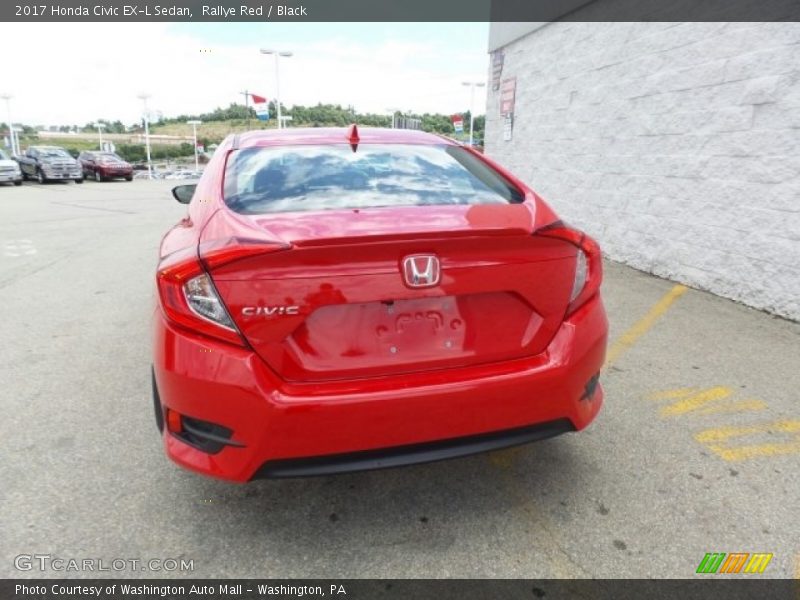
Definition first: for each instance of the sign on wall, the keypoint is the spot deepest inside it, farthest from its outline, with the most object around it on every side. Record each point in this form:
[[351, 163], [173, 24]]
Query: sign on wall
[[508, 90], [508, 123], [497, 68]]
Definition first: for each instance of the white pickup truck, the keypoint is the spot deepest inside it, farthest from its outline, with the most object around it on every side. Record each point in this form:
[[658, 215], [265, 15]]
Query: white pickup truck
[[9, 169]]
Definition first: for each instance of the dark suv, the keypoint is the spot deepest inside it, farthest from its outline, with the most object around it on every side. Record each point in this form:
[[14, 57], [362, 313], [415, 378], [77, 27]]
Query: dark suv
[[103, 166]]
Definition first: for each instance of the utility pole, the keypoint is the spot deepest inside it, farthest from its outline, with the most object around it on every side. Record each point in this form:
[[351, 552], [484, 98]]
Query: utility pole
[[472, 85], [100, 127], [194, 125], [394, 111], [143, 97], [11, 135], [277, 54], [246, 95]]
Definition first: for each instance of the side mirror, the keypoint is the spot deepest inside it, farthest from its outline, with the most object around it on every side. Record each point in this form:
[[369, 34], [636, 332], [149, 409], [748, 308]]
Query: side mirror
[[184, 193]]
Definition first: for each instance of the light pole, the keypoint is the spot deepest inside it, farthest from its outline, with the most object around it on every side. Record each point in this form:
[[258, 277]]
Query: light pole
[[143, 97], [100, 127], [394, 111], [12, 137], [194, 125], [472, 85], [277, 54]]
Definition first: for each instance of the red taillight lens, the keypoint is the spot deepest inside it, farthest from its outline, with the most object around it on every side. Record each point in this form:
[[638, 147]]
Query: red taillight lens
[[588, 263], [188, 294], [189, 298]]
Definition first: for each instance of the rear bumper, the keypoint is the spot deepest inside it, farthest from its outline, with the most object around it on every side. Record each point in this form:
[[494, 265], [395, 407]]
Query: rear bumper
[[399, 456], [290, 430], [115, 172]]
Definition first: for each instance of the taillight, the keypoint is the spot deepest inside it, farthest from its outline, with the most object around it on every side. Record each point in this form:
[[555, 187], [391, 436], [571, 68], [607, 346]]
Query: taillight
[[588, 263], [188, 295], [189, 298]]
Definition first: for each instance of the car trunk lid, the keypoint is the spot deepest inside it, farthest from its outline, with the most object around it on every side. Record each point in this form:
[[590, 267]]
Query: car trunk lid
[[336, 303]]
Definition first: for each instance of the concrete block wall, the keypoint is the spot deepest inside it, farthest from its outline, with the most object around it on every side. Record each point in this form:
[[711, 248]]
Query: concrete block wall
[[676, 145]]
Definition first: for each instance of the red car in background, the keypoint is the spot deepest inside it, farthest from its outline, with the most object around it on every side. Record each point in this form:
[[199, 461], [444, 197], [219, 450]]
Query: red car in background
[[104, 166], [341, 299]]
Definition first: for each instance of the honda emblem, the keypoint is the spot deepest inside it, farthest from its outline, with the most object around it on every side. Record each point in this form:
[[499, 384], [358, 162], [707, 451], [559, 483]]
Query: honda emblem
[[421, 270]]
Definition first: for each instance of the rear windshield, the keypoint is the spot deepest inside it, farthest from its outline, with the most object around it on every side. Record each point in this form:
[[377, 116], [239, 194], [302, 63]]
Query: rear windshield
[[303, 178]]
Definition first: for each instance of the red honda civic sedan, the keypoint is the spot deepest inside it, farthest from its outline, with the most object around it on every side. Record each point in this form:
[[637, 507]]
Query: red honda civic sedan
[[341, 299]]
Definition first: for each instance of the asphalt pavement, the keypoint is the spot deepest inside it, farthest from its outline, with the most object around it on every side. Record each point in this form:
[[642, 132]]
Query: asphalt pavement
[[696, 450]]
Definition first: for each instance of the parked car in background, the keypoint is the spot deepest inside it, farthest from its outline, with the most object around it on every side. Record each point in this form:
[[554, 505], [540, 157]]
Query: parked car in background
[[183, 175], [103, 166], [9, 170], [49, 163]]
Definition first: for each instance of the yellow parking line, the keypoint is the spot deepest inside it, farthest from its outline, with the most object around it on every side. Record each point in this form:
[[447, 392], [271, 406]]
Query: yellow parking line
[[714, 440], [644, 324], [696, 401], [674, 394]]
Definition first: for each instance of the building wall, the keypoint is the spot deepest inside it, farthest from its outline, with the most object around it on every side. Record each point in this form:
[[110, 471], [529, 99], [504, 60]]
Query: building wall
[[676, 145]]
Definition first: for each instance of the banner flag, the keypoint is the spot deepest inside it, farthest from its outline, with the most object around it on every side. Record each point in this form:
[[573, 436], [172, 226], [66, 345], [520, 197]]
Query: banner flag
[[261, 106]]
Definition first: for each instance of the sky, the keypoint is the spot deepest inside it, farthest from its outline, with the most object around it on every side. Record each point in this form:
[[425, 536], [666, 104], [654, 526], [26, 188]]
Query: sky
[[74, 73]]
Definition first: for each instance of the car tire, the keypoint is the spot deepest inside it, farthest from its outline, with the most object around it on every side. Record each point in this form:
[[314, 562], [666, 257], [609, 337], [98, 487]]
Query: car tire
[[129, 178], [18, 183], [24, 176], [79, 180], [98, 177], [40, 177]]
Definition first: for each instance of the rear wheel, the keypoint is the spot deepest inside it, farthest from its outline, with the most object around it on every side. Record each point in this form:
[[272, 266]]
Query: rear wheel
[[79, 180], [129, 178], [18, 182], [98, 177]]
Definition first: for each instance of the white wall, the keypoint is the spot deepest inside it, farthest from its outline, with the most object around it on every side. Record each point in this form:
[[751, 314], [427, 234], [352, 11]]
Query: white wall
[[676, 145]]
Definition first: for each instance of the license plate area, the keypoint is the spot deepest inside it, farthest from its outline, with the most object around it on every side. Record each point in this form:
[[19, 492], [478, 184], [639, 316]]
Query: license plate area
[[376, 338]]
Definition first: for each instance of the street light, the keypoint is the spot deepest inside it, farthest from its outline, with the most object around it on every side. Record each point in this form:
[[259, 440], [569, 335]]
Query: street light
[[472, 85], [143, 97], [12, 138], [194, 124], [394, 111], [100, 127], [277, 54]]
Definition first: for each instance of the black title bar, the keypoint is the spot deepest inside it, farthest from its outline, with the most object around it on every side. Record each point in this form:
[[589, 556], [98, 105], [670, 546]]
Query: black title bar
[[704, 587], [398, 11]]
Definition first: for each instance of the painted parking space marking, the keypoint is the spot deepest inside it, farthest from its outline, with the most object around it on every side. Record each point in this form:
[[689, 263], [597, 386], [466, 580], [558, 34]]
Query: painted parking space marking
[[17, 248], [643, 325], [715, 400], [725, 441], [716, 440]]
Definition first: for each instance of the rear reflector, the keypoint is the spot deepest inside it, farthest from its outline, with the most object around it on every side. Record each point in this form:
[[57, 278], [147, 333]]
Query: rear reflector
[[173, 421]]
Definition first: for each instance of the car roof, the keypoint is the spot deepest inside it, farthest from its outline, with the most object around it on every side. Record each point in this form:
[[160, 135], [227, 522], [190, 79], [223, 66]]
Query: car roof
[[336, 135]]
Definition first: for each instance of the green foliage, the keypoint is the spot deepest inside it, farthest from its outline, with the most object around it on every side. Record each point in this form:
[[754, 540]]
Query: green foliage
[[237, 117], [109, 126], [331, 115], [138, 153]]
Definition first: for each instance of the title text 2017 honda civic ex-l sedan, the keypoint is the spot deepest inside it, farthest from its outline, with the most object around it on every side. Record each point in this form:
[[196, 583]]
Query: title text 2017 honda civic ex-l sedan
[[344, 299]]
